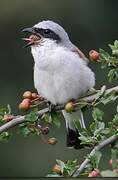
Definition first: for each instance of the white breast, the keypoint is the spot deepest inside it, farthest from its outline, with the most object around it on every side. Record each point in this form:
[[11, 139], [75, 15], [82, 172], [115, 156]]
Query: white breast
[[60, 75]]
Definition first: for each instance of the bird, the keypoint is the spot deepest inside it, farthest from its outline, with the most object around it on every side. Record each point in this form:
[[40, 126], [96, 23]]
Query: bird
[[61, 71]]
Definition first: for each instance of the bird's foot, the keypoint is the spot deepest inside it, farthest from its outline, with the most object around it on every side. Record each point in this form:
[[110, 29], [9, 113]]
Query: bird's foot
[[51, 107]]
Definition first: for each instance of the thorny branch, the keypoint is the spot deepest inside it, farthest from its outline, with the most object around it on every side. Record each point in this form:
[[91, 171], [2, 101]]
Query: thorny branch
[[104, 143], [20, 119]]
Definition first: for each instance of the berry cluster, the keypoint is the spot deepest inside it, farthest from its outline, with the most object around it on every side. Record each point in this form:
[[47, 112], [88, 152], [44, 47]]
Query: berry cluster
[[29, 99]]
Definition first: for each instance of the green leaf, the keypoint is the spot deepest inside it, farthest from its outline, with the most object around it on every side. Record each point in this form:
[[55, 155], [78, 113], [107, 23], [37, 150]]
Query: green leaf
[[100, 92], [116, 43], [114, 158], [9, 109], [31, 117], [71, 163], [70, 167], [114, 48], [104, 55], [55, 119], [67, 168], [5, 136], [97, 114], [3, 111], [86, 139], [92, 126], [100, 127], [109, 97], [22, 125], [53, 175], [57, 123], [115, 120], [95, 159], [77, 124], [28, 128], [117, 109], [25, 131], [98, 155], [113, 75], [105, 131], [108, 173], [1, 119], [47, 117], [115, 51], [98, 130]]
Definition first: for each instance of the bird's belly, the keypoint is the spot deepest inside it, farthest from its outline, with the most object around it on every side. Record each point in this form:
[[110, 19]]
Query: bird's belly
[[55, 87], [44, 85], [51, 86], [63, 85]]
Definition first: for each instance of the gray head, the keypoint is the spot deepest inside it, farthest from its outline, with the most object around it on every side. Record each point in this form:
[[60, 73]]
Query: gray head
[[48, 30]]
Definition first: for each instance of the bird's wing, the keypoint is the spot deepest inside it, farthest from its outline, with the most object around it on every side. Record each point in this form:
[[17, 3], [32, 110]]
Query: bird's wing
[[80, 53]]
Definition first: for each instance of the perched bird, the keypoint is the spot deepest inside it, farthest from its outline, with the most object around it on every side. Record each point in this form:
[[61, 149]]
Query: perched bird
[[61, 73]]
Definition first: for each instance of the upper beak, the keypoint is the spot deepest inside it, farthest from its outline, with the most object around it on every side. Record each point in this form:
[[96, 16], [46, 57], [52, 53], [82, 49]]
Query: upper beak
[[30, 30]]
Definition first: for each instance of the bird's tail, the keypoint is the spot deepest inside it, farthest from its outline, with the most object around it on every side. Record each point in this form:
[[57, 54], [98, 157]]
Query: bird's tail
[[72, 132]]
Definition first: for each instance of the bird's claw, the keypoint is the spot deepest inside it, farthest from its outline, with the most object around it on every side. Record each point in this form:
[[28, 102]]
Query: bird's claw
[[51, 107]]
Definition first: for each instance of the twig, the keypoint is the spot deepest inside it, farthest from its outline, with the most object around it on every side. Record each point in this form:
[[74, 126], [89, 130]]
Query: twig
[[20, 119], [91, 98], [104, 143]]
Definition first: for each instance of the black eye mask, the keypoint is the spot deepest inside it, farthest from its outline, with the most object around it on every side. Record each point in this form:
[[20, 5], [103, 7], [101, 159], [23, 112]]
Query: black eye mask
[[47, 33]]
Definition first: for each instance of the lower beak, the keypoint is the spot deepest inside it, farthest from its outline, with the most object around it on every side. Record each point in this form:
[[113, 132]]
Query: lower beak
[[30, 40]]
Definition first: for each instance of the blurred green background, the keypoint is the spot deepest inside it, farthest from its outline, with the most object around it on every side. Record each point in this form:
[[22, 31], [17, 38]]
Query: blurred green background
[[91, 24]]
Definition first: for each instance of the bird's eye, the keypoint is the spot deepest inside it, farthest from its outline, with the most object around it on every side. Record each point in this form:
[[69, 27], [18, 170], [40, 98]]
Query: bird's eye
[[36, 29], [47, 31]]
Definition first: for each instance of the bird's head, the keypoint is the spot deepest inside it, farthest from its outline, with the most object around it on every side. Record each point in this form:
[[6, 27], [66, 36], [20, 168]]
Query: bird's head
[[45, 31]]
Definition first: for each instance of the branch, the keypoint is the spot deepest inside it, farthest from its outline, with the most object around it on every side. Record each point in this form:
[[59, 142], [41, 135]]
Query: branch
[[104, 143], [20, 119], [91, 98]]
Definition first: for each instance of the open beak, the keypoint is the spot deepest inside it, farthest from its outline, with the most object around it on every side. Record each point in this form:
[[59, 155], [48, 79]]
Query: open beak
[[30, 30], [32, 39]]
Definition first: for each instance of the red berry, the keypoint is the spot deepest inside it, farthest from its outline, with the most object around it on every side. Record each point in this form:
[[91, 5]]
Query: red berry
[[34, 96], [56, 169], [27, 94], [110, 162], [24, 105], [40, 98], [45, 130], [7, 117], [94, 55], [69, 107], [94, 173], [52, 141]]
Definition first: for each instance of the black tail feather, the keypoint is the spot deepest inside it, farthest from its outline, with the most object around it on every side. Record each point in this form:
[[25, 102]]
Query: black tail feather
[[73, 139]]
